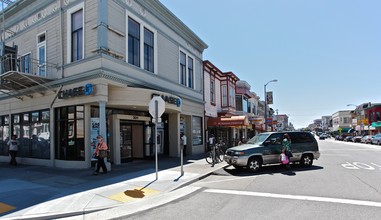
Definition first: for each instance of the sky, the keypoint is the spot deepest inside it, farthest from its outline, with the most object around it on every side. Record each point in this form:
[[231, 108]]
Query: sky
[[325, 54]]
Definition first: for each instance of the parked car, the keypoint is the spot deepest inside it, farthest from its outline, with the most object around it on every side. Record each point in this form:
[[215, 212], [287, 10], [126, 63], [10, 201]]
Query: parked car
[[265, 148], [323, 136], [348, 138], [376, 139], [367, 139], [357, 139]]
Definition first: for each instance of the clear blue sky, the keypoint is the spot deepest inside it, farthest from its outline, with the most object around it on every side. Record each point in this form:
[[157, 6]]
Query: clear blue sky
[[325, 54]]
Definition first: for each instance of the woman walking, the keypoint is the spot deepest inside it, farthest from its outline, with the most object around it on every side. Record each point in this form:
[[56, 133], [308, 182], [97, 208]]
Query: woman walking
[[100, 153]]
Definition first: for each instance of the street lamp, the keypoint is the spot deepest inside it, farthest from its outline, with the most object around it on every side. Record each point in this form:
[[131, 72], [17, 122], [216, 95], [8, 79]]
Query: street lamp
[[274, 80]]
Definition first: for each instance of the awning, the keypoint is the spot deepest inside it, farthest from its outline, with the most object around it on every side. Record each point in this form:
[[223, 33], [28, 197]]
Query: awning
[[376, 124], [13, 83], [228, 121]]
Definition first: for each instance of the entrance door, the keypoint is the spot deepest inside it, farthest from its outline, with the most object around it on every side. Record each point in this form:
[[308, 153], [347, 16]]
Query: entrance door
[[125, 142]]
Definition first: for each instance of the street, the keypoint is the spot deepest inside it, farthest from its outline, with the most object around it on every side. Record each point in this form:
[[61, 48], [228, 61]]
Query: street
[[344, 183]]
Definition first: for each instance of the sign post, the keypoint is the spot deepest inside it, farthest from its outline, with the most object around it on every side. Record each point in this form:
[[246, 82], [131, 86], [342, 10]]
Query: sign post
[[156, 109]]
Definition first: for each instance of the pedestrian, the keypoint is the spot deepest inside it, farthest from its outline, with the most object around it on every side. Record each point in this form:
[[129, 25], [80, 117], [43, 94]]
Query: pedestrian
[[211, 141], [184, 139], [286, 143], [100, 153], [13, 145]]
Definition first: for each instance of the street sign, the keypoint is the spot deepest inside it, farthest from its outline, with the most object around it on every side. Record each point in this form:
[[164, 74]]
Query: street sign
[[160, 107]]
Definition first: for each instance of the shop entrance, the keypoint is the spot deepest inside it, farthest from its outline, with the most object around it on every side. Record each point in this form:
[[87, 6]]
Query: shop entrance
[[131, 140]]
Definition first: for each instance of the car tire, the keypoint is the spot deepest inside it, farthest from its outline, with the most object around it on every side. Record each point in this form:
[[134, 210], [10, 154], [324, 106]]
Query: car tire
[[254, 164], [306, 160]]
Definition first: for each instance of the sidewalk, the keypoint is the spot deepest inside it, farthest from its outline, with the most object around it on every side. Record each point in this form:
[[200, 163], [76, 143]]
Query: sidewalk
[[66, 193]]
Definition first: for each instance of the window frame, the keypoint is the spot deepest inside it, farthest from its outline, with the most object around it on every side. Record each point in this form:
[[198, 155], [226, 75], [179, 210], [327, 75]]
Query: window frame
[[41, 63], [142, 27], [69, 45], [189, 74]]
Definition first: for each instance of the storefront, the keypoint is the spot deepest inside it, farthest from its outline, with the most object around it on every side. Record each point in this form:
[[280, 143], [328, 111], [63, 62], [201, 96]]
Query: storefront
[[60, 127]]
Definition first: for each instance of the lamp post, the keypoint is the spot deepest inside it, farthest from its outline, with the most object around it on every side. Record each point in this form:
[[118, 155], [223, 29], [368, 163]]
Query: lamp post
[[274, 80]]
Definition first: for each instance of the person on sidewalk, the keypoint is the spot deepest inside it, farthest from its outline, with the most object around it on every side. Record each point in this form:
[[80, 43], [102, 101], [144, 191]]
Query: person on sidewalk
[[13, 149], [100, 149], [184, 139]]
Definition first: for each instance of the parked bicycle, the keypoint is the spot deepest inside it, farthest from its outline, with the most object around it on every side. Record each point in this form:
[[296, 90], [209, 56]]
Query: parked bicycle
[[215, 155]]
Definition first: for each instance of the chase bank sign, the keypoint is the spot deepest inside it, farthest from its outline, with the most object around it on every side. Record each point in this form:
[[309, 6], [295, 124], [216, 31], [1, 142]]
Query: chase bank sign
[[170, 99], [77, 91]]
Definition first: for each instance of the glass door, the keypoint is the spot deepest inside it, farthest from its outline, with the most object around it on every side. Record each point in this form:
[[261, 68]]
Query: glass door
[[125, 142]]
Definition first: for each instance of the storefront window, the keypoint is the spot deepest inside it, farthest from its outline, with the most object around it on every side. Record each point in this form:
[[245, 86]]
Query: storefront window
[[70, 133], [4, 134], [33, 135], [197, 130]]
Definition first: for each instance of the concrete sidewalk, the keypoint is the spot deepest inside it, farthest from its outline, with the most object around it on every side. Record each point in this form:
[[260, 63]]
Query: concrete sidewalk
[[79, 193]]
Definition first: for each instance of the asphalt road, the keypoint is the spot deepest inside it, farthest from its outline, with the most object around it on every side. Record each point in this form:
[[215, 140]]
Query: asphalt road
[[345, 183]]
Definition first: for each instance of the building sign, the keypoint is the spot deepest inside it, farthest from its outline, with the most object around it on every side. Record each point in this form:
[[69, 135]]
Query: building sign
[[170, 99], [77, 91]]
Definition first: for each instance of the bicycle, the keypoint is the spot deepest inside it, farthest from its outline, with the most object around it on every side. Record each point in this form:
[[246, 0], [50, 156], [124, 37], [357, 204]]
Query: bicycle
[[215, 155]]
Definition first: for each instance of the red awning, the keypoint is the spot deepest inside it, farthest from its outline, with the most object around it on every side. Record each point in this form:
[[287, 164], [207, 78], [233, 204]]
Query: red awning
[[231, 121]]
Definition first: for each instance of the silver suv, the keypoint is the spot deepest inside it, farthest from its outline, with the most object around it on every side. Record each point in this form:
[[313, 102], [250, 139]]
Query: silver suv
[[265, 148]]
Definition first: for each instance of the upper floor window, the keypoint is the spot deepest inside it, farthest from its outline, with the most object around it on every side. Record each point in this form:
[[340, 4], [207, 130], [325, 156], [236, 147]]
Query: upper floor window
[[41, 54], [238, 104], [231, 96], [75, 33], [148, 50], [183, 70], [224, 92], [25, 63], [133, 42], [186, 70], [190, 72], [212, 93], [378, 116]]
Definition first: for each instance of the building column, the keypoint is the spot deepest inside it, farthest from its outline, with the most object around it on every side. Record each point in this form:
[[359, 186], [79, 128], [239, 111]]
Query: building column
[[102, 120], [174, 134]]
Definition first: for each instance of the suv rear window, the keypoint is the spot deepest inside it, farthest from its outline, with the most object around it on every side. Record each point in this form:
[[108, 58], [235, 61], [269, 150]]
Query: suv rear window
[[302, 137]]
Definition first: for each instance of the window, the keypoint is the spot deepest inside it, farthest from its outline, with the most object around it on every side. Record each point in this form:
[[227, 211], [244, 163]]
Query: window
[[231, 96], [133, 42], [70, 133], [141, 44], [25, 65], [245, 104], [212, 94], [378, 116], [190, 72], [183, 71], [186, 70], [148, 50], [224, 92], [75, 33], [238, 104], [33, 135], [41, 54], [197, 130]]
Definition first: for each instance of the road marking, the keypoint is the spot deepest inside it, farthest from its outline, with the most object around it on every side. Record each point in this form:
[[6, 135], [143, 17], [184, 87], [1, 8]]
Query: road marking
[[134, 194], [308, 198], [5, 208]]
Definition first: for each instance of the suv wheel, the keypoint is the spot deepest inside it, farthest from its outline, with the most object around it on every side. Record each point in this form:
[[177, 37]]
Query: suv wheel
[[306, 160], [254, 164]]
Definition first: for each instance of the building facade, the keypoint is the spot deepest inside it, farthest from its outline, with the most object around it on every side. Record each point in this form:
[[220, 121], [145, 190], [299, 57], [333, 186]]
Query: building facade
[[73, 69]]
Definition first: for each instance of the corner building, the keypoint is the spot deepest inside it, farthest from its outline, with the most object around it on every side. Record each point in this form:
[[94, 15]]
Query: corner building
[[73, 69]]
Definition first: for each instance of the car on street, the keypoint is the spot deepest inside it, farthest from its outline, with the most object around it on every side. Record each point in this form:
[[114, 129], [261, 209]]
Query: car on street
[[323, 136], [265, 148], [367, 139], [357, 139], [348, 139], [376, 139]]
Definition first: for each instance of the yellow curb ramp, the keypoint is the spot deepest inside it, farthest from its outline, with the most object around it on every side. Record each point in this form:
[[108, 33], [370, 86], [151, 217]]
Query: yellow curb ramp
[[5, 208], [134, 194]]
